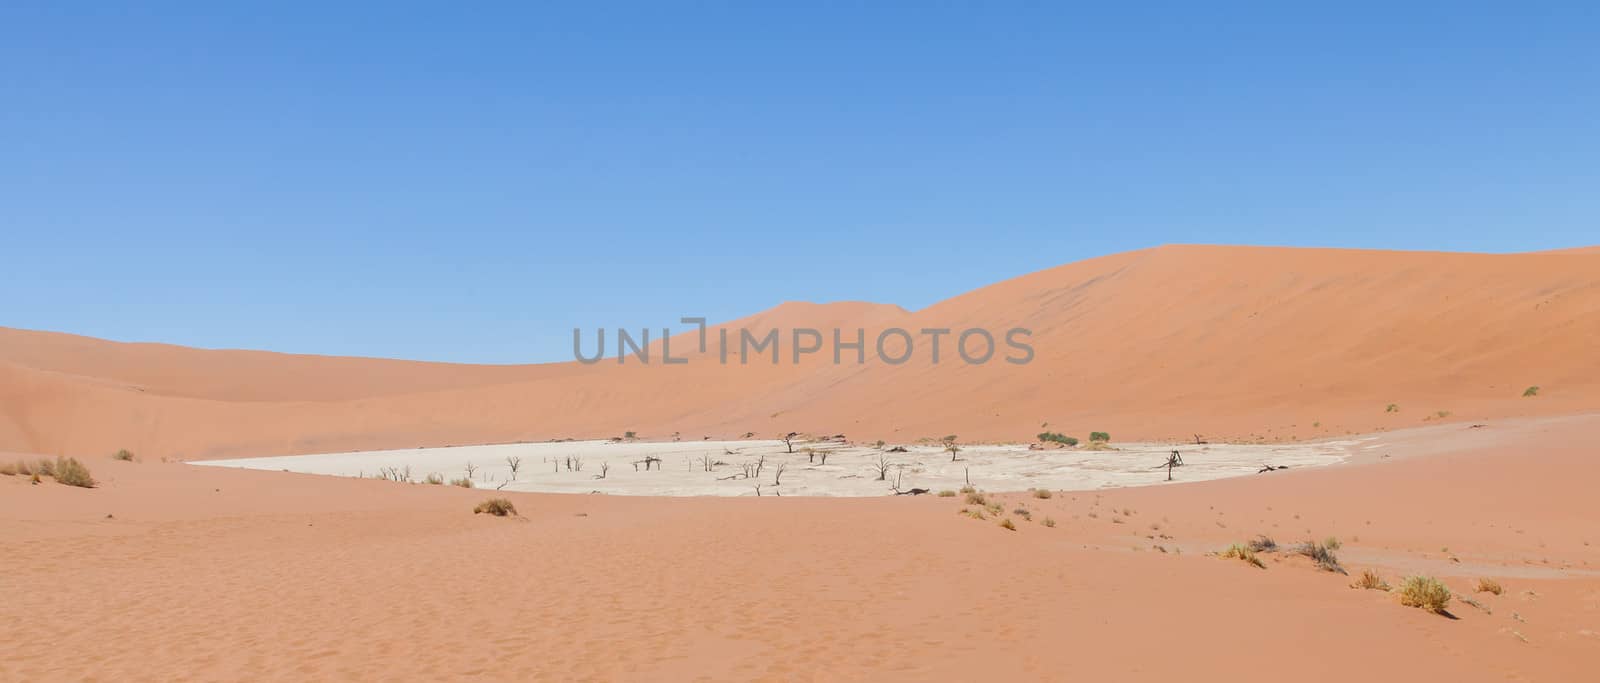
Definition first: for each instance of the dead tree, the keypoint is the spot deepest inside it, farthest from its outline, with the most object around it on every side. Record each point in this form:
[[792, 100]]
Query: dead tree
[[788, 440], [777, 472], [882, 466], [516, 463], [470, 469], [605, 467], [823, 456]]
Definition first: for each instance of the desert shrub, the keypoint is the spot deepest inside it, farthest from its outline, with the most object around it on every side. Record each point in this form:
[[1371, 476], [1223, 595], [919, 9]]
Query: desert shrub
[[1262, 544], [498, 507], [1332, 542], [1099, 436], [1392, 408], [124, 455], [976, 498], [1058, 437], [1487, 585], [947, 493], [462, 482], [1321, 554], [72, 473], [1243, 554], [975, 514], [1042, 494], [1370, 581], [1424, 592], [45, 468], [433, 478], [967, 489], [1023, 513], [1006, 524], [1530, 391], [1049, 522]]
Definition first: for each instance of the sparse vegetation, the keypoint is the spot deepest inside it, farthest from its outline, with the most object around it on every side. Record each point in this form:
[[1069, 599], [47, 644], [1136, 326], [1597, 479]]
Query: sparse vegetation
[[1488, 585], [630, 435], [1243, 554], [1101, 437], [1370, 581], [1321, 554], [1042, 494], [947, 493], [434, 478], [462, 482], [968, 489], [1332, 542], [1008, 525], [124, 455], [498, 507], [1530, 392], [1262, 544], [1057, 437], [70, 472], [976, 498], [1049, 522], [1425, 592], [1392, 408]]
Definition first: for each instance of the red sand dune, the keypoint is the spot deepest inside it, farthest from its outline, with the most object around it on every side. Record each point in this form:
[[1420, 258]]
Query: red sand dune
[[174, 572], [171, 572], [1229, 342]]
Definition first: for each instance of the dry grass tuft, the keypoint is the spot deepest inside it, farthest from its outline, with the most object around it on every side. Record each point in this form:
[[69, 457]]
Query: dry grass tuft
[[947, 493], [968, 489], [1426, 593], [498, 507], [1042, 494], [1244, 554], [1370, 581], [72, 473], [462, 482], [124, 455], [1320, 554], [1006, 524], [1487, 585], [434, 478], [975, 498], [1049, 522], [1263, 544]]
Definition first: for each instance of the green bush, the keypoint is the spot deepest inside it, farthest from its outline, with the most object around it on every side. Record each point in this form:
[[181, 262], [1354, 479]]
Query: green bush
[[1102, 437], [1530, 391], [1057, 437]]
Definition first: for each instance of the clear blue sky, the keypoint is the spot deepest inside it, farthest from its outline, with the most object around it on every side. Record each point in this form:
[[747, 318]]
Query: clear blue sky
[[467, 182]]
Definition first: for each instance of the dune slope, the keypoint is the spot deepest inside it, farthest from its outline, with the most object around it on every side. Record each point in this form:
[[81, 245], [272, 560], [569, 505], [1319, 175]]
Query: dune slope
[[1237, 343]]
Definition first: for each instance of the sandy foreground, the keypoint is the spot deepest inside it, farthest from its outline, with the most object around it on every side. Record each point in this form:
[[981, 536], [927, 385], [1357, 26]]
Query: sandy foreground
[[773, 468], [170, 571]]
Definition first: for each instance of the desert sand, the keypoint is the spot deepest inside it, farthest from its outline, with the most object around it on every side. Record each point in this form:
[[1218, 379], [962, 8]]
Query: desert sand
[[174, 572], [1393, 382]]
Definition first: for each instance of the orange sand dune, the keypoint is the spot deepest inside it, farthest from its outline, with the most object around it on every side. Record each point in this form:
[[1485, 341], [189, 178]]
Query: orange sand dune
[[1227, 342], [178, 572]]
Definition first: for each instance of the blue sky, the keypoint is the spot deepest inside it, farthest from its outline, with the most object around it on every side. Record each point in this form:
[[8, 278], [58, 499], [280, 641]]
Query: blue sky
[[468, 183]]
